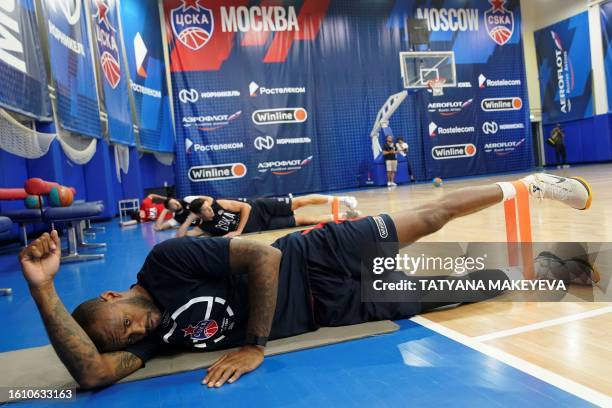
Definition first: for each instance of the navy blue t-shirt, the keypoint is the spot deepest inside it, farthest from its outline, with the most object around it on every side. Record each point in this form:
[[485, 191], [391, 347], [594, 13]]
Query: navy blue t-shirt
[[205, 306]]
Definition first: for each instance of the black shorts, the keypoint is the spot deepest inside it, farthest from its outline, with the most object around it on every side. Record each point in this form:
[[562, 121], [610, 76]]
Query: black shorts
[[270, 214], [334, 253]]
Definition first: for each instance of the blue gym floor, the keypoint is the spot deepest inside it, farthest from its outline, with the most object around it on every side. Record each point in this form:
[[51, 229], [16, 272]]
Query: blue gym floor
[[411, 367]]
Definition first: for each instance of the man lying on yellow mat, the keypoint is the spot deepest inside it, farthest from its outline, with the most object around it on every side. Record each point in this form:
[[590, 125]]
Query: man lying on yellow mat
[[216, 293]]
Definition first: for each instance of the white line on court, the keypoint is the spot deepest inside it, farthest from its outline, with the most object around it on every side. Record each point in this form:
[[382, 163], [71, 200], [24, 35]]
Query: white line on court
[[541, 325], [565, 384]]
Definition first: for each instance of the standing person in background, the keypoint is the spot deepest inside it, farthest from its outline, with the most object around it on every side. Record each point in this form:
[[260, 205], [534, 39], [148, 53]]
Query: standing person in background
[[557, 139], [403, 148], [390, 154]]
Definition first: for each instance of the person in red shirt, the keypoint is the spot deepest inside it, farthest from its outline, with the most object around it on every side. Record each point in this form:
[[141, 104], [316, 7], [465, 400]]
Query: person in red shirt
[[151, 209]]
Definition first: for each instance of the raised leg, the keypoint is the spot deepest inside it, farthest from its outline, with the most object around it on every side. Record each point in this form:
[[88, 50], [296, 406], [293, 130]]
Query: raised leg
[[414, 224]]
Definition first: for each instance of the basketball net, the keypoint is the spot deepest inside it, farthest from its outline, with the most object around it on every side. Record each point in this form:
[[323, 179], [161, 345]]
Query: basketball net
[[436, 86], [20, 139]]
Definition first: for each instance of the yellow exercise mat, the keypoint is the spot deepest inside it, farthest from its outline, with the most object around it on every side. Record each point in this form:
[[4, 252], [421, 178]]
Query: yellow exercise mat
[[40, 368]]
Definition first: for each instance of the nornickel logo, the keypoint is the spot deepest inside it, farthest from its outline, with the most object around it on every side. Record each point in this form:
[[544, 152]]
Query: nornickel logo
[[264, 143]]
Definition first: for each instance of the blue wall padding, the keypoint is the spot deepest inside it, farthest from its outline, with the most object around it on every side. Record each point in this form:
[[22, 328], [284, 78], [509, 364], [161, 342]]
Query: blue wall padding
[[587, 140], [155, 174]]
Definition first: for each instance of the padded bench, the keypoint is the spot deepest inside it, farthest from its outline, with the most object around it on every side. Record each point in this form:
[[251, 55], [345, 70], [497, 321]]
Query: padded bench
[[74, 217], [23, 217], [5, 227]]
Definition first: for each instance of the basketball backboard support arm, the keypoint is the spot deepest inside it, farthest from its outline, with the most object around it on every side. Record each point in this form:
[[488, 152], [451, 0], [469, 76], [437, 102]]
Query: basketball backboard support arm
[[383, 117]]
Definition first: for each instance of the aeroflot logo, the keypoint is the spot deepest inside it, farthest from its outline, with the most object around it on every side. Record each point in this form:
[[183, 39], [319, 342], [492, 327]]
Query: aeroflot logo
[[565, 74], [449, 108], [449, 19], [217, 172], [457, 151], [286, 115]]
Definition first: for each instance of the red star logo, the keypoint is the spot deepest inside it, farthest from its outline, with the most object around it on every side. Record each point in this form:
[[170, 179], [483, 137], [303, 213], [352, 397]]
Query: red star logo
[[189, 331], [101, 15], [498, 5], [187, 4]]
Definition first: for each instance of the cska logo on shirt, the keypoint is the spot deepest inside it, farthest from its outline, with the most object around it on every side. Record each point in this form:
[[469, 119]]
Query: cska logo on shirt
[[192, 24], [499, 22], [107, 44], [204, 330], [214, 317]]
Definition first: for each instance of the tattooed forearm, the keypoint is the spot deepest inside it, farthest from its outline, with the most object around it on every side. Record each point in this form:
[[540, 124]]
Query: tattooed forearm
[[262, 264], [71, 343], [73, 346], [123, 363]]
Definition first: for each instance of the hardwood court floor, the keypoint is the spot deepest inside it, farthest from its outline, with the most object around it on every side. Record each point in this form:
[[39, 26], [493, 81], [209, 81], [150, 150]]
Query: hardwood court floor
[[567, 344]]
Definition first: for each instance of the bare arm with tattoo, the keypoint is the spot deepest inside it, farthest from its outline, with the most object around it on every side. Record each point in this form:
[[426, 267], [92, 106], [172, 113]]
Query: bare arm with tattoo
[[262, 263], [40, 262]]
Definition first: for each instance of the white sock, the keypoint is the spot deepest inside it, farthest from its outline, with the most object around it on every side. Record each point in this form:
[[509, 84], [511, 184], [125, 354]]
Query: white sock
[[508, 190], [341, 199]]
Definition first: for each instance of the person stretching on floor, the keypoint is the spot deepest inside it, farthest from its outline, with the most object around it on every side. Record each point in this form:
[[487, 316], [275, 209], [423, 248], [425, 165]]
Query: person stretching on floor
[[230, 218], [180, 209], [217, 293]]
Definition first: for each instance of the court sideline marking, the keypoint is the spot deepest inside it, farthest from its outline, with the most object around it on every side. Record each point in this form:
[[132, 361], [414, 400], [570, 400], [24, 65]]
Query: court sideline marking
[[543, 324], [565, 384]]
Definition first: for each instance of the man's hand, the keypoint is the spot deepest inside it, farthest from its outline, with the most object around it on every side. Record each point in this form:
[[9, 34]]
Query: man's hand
[[232, 234], [232, 365], [41, 259]]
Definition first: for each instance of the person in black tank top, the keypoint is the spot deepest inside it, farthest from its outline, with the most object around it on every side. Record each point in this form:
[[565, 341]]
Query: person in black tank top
[[230, 218]]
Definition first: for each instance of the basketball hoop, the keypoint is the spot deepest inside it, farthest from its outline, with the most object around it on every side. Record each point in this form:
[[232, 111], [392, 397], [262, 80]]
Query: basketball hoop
[[436, 86]]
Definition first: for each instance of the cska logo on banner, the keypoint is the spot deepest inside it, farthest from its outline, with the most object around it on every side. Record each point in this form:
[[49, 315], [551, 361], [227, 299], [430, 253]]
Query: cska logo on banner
[[192, 24], [107, 45], [499, 22]]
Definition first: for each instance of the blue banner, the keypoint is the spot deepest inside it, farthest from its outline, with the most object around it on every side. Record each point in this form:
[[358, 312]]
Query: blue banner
[[482, 125], [274, 97], [145, 56], [22, 70], [113, 69], [72, 66], [564, 61], [606, 32]]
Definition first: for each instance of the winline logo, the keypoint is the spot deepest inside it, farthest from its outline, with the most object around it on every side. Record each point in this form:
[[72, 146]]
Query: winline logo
[[283, 115], [217, 172], [453, 151]]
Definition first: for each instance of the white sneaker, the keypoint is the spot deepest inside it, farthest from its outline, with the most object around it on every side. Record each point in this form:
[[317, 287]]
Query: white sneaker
[[574, 191], [393, 184], [350, 202], [389, 184]]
